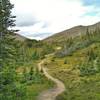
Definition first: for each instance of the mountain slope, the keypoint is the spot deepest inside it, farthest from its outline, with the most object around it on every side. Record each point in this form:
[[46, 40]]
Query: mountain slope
[[19, 37], [72, 32], [77, 65]]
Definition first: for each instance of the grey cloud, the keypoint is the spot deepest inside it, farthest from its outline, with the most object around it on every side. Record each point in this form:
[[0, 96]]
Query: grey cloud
[[25, 23], [25, 20], [41, 34], [28, 20], [45, 25]]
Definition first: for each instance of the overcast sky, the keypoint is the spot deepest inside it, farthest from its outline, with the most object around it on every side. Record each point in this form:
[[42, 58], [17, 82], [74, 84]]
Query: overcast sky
[[38, 19]]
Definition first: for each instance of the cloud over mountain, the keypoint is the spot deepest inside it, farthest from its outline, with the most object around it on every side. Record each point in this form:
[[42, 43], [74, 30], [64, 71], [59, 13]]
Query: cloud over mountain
[[52, 16]]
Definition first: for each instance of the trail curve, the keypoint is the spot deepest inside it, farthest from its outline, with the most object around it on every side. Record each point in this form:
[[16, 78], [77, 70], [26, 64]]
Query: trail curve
[[50, 94]]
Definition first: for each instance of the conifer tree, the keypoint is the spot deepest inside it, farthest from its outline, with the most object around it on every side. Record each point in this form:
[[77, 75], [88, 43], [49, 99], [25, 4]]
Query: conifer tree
[[8, 54]]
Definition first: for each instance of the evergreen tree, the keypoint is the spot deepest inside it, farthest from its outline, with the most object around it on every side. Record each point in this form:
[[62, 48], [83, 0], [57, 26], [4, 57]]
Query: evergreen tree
[[9, 90], [35, 55], [88, 35], [31, 73], [6, 40], [65, 61]]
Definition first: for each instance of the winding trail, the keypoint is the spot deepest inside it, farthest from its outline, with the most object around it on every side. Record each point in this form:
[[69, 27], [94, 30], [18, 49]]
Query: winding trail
[[50, 94]]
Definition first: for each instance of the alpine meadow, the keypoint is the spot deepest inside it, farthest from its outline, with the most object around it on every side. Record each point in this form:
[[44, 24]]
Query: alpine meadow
[[46, 65]]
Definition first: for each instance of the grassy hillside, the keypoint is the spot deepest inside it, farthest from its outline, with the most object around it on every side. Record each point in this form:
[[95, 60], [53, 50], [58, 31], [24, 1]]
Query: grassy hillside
[[72, 32], [77, 64]]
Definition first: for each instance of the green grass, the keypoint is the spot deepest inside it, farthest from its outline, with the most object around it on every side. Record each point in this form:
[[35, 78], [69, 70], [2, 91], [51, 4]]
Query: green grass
[[67, 69], [77, 87], [35, 89]]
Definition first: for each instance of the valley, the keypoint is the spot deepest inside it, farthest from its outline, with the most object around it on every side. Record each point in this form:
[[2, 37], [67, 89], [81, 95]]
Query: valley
[[41, 59], [64, 66], [75, 62]]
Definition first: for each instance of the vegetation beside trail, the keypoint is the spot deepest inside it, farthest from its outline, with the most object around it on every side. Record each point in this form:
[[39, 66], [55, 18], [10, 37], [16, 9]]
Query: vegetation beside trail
[[19, 76], [79, 69], [76, 62]]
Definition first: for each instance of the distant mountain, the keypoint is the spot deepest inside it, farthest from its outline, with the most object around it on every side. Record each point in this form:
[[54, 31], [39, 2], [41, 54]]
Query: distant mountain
[[19, 37], [72, 32]]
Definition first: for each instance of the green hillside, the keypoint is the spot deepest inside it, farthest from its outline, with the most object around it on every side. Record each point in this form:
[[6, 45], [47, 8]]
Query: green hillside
[[31, 69], [77, 64], [72, 32]]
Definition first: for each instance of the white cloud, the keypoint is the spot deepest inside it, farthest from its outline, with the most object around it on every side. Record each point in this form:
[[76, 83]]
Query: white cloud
[[50, 16]]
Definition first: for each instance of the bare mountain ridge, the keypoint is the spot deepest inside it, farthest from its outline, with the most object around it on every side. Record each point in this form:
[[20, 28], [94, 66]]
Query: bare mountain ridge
[[72, 32]]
